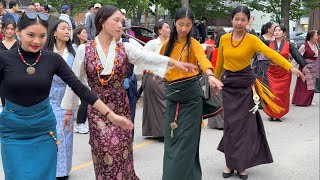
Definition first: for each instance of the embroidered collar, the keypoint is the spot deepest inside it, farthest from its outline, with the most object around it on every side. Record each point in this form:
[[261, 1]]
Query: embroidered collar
[[107, 62]]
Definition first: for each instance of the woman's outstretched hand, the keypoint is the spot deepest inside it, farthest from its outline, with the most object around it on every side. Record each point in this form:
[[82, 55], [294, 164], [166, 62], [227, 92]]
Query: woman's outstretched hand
[[298, 73], [120, 121], [215, 84]]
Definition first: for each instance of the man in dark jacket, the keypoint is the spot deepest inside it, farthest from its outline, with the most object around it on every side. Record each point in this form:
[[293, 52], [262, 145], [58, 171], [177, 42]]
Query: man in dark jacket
[[203, 29]]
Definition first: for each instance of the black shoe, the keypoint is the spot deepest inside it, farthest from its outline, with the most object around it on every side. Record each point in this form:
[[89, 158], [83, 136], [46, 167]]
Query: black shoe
[[275, 119], [244, 177], [227, 175], [63, 178], [161, 139], [271, 119]]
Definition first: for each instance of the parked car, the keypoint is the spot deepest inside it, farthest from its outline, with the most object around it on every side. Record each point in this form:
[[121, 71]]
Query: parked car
[[300, 39], [142, 33], [294, 35]]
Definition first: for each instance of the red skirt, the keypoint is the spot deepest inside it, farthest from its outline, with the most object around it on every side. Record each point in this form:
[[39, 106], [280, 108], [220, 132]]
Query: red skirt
[[279, 81], [301, 95]]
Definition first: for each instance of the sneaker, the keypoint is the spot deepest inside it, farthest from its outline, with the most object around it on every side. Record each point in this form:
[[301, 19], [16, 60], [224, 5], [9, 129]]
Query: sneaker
[[81, 129], [85, 126]]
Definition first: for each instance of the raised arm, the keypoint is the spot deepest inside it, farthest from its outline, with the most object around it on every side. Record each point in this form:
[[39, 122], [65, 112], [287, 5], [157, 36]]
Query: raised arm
[[276, 57], [154, 61], [271, 54], [297, 56]]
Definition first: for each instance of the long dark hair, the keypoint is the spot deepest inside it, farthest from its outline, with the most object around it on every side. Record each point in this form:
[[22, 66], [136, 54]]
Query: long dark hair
[[283, 29], [7, 23], [310, 34], [76, 32], [181, 13], [265, 27], [102, 15], [51, 40], [243, 9]]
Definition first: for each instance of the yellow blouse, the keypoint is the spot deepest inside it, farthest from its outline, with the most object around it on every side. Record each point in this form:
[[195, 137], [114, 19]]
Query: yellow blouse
[[236, 59], [196, 56]]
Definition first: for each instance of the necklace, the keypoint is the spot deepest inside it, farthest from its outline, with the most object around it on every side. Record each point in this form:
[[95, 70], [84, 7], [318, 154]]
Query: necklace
[[103, 80], [30, 69], [240, 40]]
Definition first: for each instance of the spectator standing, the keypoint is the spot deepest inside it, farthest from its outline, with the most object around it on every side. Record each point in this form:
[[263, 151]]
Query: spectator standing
[[52, 17], [13, 9], [80, 37], [91, 29], [37, 5], [4, 15], [31, 7], [65, 15], [203, 29], [91, 10], [195, 30]]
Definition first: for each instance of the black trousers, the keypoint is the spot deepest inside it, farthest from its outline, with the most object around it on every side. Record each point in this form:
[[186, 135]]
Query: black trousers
[[82, 112]]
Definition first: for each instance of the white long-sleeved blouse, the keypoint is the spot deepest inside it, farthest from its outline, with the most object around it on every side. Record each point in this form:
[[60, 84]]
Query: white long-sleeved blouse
[[149, 60]]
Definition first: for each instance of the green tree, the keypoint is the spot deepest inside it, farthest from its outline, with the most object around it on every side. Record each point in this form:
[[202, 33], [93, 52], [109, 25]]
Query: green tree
[[210, 9], [284, 10], [77, 6], [207, 8], [134, 8], [295, 7]]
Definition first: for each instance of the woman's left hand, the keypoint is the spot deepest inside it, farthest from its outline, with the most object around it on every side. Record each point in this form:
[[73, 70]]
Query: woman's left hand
[[215, 84], [66, 122], [298, 73]]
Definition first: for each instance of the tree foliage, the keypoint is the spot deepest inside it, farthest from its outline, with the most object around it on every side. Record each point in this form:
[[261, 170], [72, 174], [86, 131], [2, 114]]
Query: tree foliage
[[207, 8], [77, 6], [297, 9]]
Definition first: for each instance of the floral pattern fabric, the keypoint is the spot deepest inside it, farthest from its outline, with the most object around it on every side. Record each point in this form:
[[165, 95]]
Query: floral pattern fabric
[[111, 146], [65, 137]]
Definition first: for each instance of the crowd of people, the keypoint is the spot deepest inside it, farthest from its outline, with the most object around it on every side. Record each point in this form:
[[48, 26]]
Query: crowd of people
[[53, 72]]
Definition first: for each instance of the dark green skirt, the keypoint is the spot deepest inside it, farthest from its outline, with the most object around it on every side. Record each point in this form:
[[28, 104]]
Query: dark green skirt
[[181, 155]]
